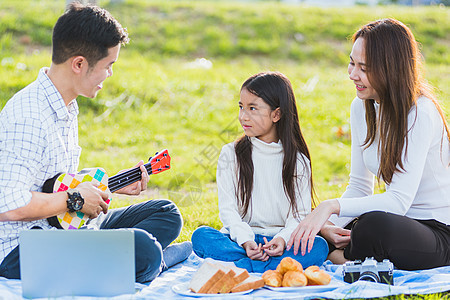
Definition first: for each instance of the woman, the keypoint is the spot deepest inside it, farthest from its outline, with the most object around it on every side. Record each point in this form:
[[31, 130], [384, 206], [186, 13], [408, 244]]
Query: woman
[[399, 134]]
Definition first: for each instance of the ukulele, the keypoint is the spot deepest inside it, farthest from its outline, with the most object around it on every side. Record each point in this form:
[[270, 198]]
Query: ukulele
[[64, 181]]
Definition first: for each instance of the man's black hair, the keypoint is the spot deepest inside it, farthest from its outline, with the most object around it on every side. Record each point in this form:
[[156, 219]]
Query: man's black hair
[[88, 31]]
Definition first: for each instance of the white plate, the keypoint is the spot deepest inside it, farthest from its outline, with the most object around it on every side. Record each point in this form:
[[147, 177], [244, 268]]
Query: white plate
[[183, 289], [306, 289]]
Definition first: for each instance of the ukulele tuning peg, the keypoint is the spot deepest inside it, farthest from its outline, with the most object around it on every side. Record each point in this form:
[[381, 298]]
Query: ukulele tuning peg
[[159, 169], [158, 159], [150, 158], [166, 166], [165, 154], [156, 153]]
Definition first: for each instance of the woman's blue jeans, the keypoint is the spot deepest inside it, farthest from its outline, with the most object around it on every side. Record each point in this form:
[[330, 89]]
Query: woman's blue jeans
[[209, 242], [155, 223]]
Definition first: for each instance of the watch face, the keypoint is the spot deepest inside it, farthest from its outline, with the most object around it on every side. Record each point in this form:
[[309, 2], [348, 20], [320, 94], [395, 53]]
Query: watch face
[[75, 201], [77, 205]]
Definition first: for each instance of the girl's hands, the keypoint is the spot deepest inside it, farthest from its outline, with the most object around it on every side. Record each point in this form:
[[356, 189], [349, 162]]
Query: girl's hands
[[308, 228], [255, 251], [275, 247], [262, 252]]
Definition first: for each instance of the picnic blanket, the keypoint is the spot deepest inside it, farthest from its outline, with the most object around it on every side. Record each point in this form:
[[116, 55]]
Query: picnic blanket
[[405, 282]]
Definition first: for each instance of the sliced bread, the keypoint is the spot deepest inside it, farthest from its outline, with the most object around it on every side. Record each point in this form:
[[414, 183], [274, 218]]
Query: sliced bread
[[205, 277], [250, 283], [240, 275], [226, 280]]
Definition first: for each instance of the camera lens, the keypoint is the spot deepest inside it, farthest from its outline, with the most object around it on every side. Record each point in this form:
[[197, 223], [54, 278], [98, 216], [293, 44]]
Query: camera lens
[[369, 276]]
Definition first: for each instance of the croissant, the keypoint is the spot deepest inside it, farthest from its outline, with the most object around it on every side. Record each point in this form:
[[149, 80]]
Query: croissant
[[272, 278], [289, 264], [317, 276], [294, 278]]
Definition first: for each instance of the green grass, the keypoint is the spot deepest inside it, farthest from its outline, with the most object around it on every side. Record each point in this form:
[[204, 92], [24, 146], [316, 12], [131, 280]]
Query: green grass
[[158, 98]]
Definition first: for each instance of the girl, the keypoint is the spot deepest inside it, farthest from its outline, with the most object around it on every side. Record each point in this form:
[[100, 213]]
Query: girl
[[399, 134], [264, 182]]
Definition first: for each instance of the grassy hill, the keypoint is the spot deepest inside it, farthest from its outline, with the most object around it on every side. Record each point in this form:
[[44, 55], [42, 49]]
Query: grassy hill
[[162, 95], [162, 29]]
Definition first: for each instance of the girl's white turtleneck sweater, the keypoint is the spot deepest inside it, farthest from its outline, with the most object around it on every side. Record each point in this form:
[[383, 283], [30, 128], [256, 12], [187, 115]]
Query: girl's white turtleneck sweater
[[269, 212]]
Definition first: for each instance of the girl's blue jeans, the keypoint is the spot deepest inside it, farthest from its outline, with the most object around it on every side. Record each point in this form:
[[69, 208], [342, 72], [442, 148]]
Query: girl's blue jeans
[[209, 242]]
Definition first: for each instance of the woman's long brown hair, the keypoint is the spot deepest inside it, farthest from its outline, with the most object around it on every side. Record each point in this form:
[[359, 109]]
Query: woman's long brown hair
[[276, 90], [393, 65]]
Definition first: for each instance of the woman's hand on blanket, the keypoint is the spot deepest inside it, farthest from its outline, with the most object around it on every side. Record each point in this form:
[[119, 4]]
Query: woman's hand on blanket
[[275, 247], [255, 251], [339, 237], [308, 228]]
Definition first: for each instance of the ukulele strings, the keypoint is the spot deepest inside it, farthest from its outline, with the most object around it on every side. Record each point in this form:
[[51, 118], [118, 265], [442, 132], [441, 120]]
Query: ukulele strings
[[121, 180]]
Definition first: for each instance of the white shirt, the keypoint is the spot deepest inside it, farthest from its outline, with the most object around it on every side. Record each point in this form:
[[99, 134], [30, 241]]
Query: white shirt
[[38, 139], [422, 190], [270, 208]]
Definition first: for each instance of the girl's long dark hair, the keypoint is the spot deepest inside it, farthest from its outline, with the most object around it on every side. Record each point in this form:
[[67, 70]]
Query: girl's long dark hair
[[393, 68], [276, 90]]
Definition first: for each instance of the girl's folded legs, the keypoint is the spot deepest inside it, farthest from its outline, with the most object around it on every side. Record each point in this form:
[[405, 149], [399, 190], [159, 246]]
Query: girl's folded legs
[[209, 242]]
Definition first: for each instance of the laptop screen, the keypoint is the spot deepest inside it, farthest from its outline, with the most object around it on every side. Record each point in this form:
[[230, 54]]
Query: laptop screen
[[57, 263]]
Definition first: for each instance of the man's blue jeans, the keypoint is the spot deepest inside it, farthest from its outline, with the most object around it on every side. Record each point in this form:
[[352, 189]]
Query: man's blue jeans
[[155, 223], [209, 242]]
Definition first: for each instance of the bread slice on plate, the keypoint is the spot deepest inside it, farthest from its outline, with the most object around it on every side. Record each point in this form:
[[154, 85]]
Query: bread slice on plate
[[240, 275], [224, 282], [205, 277], [251, 283]]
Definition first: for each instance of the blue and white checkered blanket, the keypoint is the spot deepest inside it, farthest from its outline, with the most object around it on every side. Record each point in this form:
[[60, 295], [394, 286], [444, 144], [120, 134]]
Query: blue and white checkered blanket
[[405, 282]]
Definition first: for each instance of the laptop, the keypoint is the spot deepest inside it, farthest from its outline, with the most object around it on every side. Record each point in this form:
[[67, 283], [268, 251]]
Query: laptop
[[57, 263]]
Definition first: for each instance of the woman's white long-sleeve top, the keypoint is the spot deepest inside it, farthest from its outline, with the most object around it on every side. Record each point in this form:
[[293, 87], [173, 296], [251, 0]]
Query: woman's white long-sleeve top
[[421, 190]]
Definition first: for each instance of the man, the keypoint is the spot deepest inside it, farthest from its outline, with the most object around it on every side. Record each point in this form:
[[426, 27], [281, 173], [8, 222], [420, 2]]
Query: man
[[39, 139]]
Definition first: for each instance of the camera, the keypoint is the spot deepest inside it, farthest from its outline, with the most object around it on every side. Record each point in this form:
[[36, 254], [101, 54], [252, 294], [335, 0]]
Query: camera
[[369, 270]]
